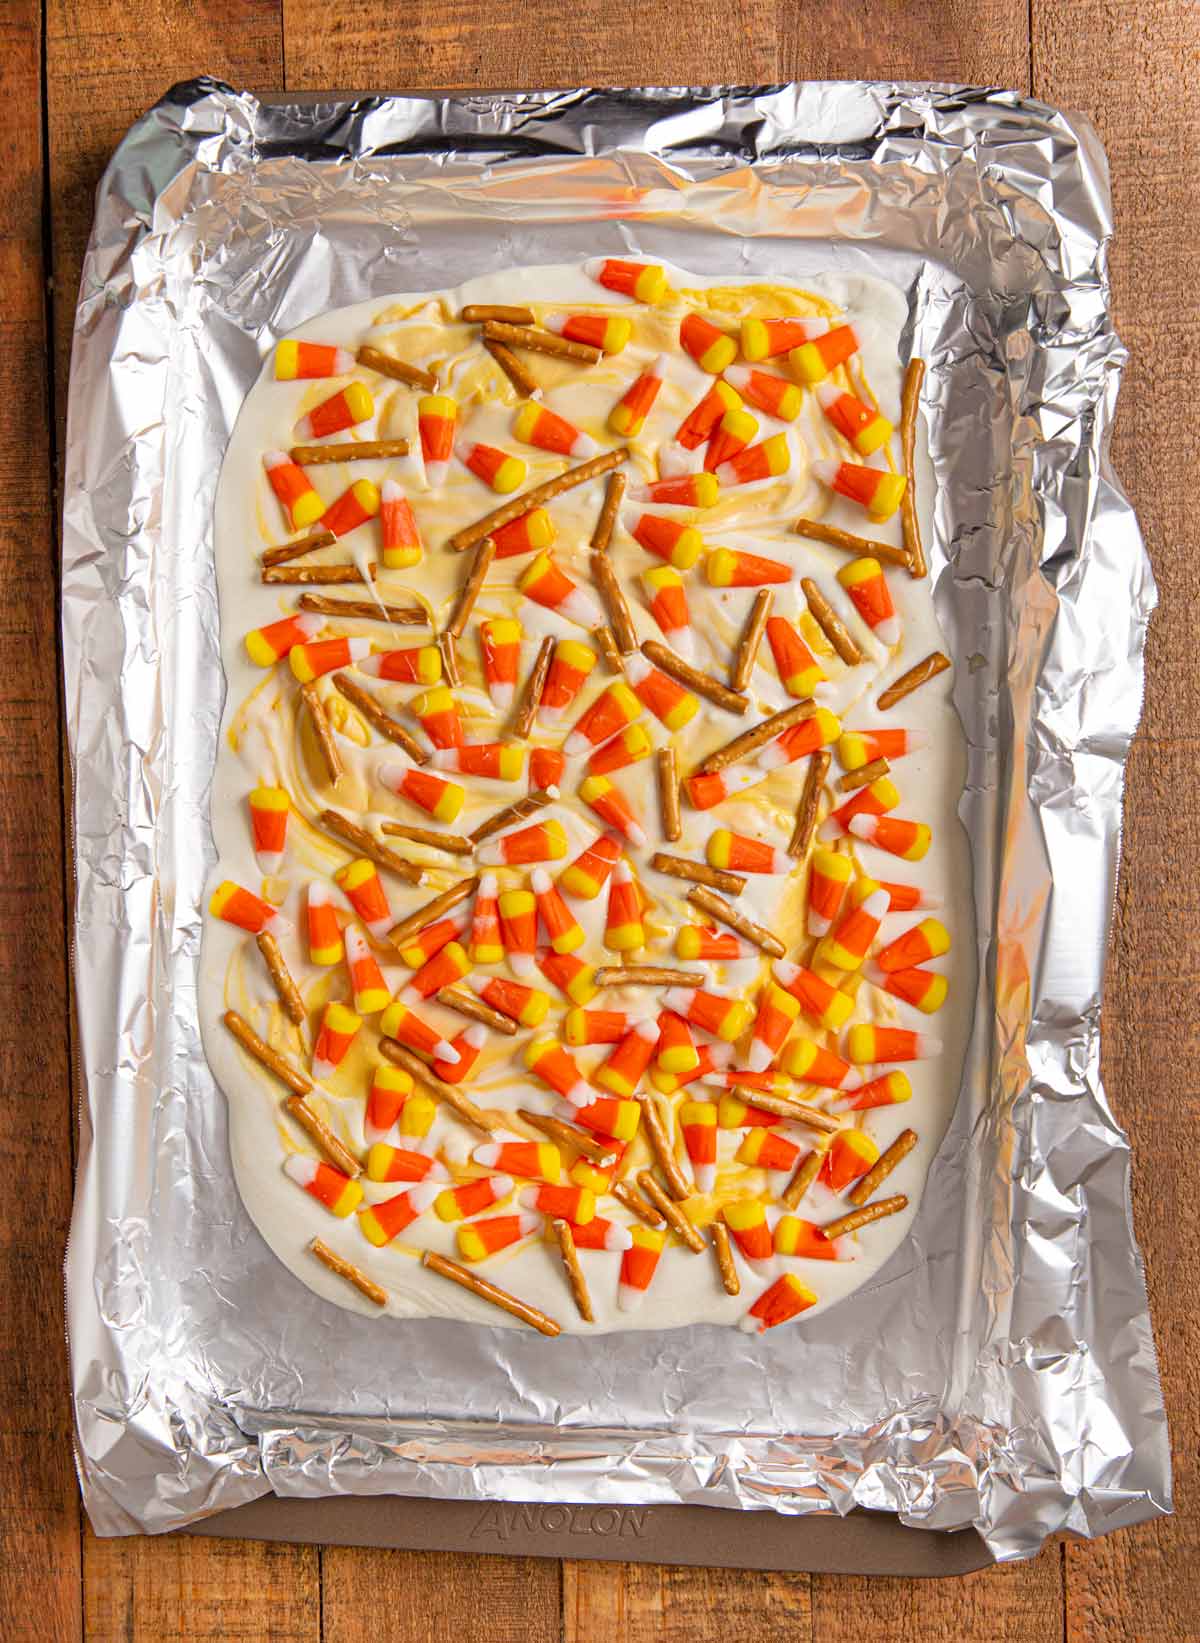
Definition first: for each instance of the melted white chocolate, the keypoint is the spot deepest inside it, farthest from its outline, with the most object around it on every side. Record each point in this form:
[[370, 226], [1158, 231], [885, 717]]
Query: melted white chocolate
[[264, 740]]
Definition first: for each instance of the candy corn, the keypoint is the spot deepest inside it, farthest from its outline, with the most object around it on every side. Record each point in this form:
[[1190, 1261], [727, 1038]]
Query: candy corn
[[819, 1000], [907, 839], [622, 1072], [479, 1239], [499, 469], [437, 797], [682, 491], [710, 1059], [518, 930], [739, 854], [602, 1234], [596, 1026], [799, 671], [786, 1299], [875, 799], [698, 1123], [531, 1160], [268, 824], [712, 349], [716, 1013], [299, 500], [731, 568], [703, 418], [391, 1087], [357, 504], [676, 1050], [437, 712], [486, 946], [766, 392], [406, 1027], [401, 544], [768, 338], [864, 581], [643, 281], [241, 907], [711, 788], [547, 766], [670, 703], [563, 930], [735, 1113], [536, 424], [701, 941], [340, 1195], [730, 437], [777, 1012], [569, 668], [874, 489], [498, 761], [381, 1223], [320, 656], [628, 746], [614, 708], [588, 873], [265, 646], [547, 585], [349, 405], [923, 942], [906, 898], [746, 1219], [794, 1236], [529, 533], [437, 419], [680, 545], [540, 841], [850, 1155], [547, 1060], [609, 335], [623, 929], [638, 1265], [867, 1044], [607, 1115], [733, 1078], [888, 1091], [612, 807], [387, 1163], [864, 427], [805, 1060], [336, 1034], [500, 641], [765, 461], [421, 665], [569, 974], [628, 416], [448, 965], [366, 978], [467, 1045], [472, 1197], [364, 890], [923, 989], [325, 946], [765, 1149], [848, 942], [823, 349], [296, 361], [829, 876], [859, 747], [522, 1004]]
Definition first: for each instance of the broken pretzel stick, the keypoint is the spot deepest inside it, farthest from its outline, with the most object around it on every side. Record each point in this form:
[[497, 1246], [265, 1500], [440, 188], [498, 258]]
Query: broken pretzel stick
[[862, 547], [347, 1269], [520, 810], [401, 935], [358, 838], [316, 576], [615, 603], [319, 1131], [910, 399], [293, 550], [575, 1277], [591, 469], [454, 1099], [607, 646], [476, 1010], [454, 844], [448, 650], [264, 1054], [614, 490], [762, 733], [469, 593], [490, 1292], [377, 716], [702, 683], [863, 776], [568, 1135], [883, 1167], [806, 809], [522, 380], [670, 1212], [633, 1201], [718, 908], [807, 1171], [645, 975], [355, 450], [534, 685], [933, 664], [698, 872], [723, 1250], [667, 771], [538, 342], [388, 366], [751, 638], [367, 610], [830, 623], [664, 1153], [323, 732], [281, 977], [863, 1217], [478, 313], [798, 1111]]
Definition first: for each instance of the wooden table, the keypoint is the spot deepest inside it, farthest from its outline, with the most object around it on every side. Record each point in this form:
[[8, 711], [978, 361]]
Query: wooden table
[[74, 74]]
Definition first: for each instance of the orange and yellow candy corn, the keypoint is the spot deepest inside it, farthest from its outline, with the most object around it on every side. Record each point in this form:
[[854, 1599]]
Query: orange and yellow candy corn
[[479, 1239], [808, 1061], [366, 978], [876, 799], [602, 1234], [540, 841], [529, 533], [734, 1112], [486, 946], [874, 489], [777, 1012], [907, 839], [530, 1160], [518, 930], [698, 1125], [265, 646], [716, 1013], [851, 1154], [342, 410], [233, 904], [569, 974], [707, 789], [731, 436], [357, 504], [888, 1091], [622, 1072], [381, 1223], [736, 853], [786, 1299], [388, 1163], [669, 539], [437, 713], [607, 1115], [732, 568], [819, 1000], [638, 1266], [325, 945], [497, 761], [794, 1236], [828, 879], [768, 338], [907, 898], [589, 872], [563, 930], [320, 656], [860, 425], [767, 460], [498, 469], [623, 929], [522, 1004], [613, 808], [340, 1195], [671, 704], [569, 668], [680, 491], [547, 1060], [925, 941], [467, 1046], [472, 1197], [596, 1026], [407, 1028], [442, 969], [676, 1050], [766, 392], [538, 425], [437, 797], [500, 640], [867, 1044], [628, 746], [703, 418], [610, 335], [847, 944], [799, 671], [864, 581], [432, 939], [766, 1149], [628, 416], [301, 361], [711, 1058], [401, 540], [823, 349], [336, 1034], [859, 747], [702, 941], [297, 496], [363, 888], [746, 1219], [712, 349], [437, 420], [421, 665], [547, 585], [925, 990], [269, 807], [391, 1090], [643, 281]]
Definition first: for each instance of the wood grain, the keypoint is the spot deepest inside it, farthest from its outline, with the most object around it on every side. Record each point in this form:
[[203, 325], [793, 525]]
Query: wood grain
[[438, 1597], [1017, 1603], [655, 1603]]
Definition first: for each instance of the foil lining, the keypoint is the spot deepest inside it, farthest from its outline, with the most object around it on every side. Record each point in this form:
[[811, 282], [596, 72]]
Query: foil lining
[[999, 1372]]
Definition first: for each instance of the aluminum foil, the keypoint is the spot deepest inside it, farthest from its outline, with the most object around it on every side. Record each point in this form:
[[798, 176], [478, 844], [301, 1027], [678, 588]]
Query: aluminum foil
[[999, 1371]]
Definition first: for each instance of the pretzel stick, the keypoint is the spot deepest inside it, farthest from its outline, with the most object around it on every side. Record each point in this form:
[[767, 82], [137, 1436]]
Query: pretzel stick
[[452, 843], [863, 776], [933, 664], [350, 833], [607, 646], [717, 907], [698, 872], [376, 715], [466, 1109], [476, 1010], [670, 1212], [685, 674], [633, 1200], [488, 1291], [807, 1171], [402, 933], [860, 546], [591, 469], [518, 811], [352, 1274], [615, 602], [568, 1135], [645, 975], [863, 1217], [469, 593], [667, 771], [883, 1167], [405, 616], [830, 623], [751, 638], [397, 369], [798, 1111], [664, 1153], [614, 490], [448, 647], [532, 694], [722, 1249], [762, 733], [281, 976], [525, 384], [538, 342], [294, 550], [316, 576], [910, 400], [355, 450], [575, 1277], [318, 1130], [323, 732], [810, 799], [264, 1054], [478, 313]]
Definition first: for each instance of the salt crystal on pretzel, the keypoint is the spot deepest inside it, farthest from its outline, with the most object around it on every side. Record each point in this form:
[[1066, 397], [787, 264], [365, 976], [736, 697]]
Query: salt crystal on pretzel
[[408, 1029], [342, 410], [512, 1001], [297, 361], [609, 333], [518, 930], [437, 421], [301, 502], [381, 1223], [432, 793]]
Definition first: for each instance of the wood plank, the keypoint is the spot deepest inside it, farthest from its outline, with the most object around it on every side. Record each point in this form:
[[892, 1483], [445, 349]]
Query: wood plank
[[640, 1602], [1017, 1601], [1133, 70], [39, 1522], [437, 1597]]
